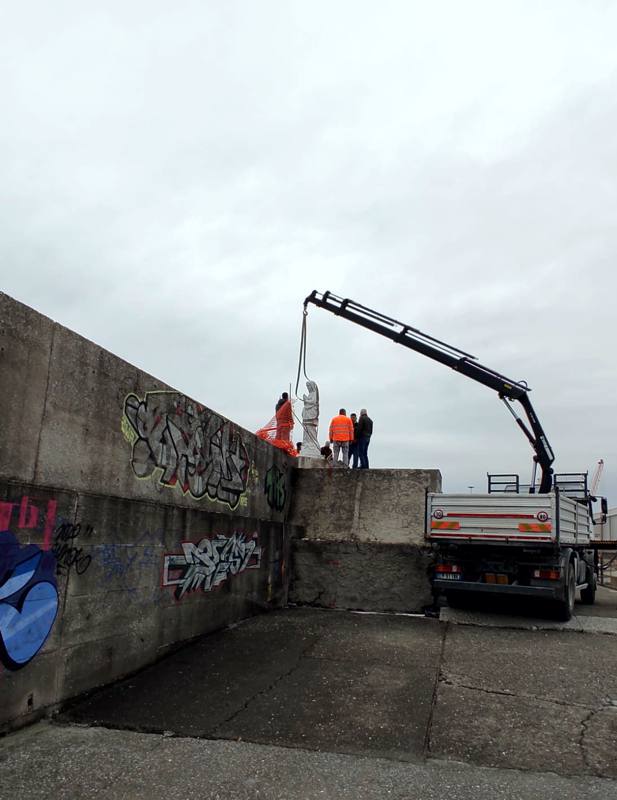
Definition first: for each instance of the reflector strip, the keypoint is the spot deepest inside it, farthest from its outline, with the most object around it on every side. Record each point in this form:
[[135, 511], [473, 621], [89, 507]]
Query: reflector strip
[[494, 516], [503, 537], [534, 526], [444, 525]]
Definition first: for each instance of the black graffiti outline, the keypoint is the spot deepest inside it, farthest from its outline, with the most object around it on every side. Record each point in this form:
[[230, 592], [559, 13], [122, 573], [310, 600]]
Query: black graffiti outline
[[275, 488], [66, 552], [193, 448]]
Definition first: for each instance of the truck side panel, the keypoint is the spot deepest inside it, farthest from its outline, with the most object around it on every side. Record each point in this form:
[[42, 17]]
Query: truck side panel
[[500, 518], [574, 524]]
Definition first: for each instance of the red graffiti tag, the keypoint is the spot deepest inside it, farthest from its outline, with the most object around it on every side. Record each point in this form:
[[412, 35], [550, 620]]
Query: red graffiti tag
[[25, 515]]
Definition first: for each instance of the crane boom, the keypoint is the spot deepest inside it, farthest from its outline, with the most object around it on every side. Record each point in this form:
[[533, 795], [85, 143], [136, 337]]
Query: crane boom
[[465, 363], [595, 482]]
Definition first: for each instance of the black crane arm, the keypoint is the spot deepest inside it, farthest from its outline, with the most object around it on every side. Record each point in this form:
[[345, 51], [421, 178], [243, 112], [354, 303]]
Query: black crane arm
[[508, 390]]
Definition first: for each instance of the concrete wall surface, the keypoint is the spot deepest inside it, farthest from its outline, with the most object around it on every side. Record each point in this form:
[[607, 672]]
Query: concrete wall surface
[[369, 577], [374, 505], [363, 545], [131, 517]]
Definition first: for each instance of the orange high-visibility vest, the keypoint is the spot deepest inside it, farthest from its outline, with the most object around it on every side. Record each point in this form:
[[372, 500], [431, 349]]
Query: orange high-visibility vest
[[341, 429]]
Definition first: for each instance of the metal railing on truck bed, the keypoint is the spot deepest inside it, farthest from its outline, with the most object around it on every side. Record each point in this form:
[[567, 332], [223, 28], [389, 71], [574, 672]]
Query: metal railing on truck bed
[[507, 518]]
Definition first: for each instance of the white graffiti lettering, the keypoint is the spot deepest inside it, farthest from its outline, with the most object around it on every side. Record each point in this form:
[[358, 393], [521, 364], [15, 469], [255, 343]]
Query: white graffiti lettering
[[210, 562]]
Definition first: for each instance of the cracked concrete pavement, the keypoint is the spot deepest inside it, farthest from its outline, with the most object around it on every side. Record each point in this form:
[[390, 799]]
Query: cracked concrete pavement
[[528, 700], [427, 708], [322, 680]]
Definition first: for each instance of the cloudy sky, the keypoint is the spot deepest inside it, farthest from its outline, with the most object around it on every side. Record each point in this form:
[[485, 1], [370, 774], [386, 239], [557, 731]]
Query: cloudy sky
[[177, 177]]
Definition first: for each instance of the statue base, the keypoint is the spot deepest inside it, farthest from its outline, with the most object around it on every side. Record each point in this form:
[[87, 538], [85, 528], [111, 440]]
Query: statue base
[[308, 462], [310, 450]]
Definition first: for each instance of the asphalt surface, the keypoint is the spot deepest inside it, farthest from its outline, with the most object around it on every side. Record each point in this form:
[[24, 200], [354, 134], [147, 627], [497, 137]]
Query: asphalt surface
[[305, 703]]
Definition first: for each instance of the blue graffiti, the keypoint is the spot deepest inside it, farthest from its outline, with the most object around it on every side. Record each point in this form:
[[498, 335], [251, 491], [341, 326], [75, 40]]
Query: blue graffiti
[[28, 600], [127, 567]]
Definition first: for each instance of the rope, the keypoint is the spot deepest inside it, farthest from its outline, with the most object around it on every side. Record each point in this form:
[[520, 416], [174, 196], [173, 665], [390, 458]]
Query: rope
[[302, 369], [302, 356], [311, 435]]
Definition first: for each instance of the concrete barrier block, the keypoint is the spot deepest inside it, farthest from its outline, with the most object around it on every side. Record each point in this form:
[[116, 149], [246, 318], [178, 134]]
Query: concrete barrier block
[[367, 577], [374, 505]]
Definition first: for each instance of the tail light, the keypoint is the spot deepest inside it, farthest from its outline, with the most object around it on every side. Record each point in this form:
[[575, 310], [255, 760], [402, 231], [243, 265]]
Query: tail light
[[447, 568], [547, 574], [448, 572]]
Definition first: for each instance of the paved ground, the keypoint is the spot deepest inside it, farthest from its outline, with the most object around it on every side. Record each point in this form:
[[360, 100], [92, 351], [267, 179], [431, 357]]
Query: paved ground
[[305, 703], [69, 763]]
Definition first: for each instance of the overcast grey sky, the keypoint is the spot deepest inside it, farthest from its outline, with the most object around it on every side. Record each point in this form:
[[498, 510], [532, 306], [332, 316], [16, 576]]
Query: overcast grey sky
[[177, 177]]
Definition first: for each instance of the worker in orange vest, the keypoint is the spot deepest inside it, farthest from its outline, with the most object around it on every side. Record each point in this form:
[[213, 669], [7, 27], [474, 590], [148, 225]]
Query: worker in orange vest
[[341, 435]]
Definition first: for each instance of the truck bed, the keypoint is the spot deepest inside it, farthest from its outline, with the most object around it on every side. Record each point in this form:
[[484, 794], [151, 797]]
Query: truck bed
[[507, 518]]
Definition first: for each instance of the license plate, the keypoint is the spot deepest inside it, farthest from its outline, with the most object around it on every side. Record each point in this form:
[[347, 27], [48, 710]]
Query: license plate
[[448, 576]]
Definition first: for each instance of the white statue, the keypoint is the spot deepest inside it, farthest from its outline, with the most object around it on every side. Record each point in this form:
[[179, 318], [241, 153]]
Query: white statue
[[310, 421]]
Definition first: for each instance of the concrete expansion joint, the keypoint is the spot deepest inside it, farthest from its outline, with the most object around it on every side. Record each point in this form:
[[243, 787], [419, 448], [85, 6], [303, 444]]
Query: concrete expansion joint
[[438, 673], [578, 625], [520, 770], [107, 726], [446, 680]]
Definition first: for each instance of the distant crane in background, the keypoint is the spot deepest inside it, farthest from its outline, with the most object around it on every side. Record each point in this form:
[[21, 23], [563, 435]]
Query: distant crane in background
[[595, 481]]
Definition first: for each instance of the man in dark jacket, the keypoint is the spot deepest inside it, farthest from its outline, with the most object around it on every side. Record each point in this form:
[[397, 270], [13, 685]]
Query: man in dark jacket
[[353, 446], [365, 431]]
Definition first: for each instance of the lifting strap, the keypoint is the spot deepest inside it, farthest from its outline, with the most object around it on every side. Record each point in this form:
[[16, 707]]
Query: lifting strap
[[302, 356]]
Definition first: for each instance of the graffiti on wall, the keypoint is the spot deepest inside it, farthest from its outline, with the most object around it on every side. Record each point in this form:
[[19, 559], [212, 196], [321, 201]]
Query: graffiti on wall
[[28, 600], [210, 562], [275, 488], [130, 567], [66, 549], [194, 448], [27, 515]]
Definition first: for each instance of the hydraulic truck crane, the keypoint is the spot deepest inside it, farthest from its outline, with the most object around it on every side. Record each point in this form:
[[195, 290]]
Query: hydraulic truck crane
[[533, 540]]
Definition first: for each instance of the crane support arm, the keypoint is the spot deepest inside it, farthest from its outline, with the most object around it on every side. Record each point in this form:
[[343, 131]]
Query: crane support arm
[[451, 357]]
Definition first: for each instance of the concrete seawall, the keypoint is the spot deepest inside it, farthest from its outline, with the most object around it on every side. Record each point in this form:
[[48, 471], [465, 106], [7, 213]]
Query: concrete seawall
[[363, 545], [131, 517]]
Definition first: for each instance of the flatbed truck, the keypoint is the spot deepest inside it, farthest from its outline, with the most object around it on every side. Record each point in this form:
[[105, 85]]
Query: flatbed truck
[[534, 540]]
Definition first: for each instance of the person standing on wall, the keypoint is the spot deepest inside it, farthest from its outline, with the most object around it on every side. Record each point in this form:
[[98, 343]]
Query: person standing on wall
[[365, 431], [353, 446], [284, 418], [341, 434], [326, 452]]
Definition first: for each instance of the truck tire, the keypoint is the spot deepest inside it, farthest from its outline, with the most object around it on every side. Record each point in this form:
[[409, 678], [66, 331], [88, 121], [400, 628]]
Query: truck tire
[[564, 608], [588, 595]]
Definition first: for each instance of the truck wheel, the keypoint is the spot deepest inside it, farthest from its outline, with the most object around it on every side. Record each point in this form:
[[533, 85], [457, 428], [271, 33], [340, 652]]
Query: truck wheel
[[588, 595], [565, 607]]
